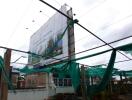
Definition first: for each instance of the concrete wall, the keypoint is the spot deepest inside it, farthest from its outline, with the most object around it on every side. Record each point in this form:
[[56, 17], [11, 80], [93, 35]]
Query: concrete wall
[[28, 94], [65, 90], [37, 94]]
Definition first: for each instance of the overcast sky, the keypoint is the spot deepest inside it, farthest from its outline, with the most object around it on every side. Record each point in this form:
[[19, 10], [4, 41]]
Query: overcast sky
[[109, 19]]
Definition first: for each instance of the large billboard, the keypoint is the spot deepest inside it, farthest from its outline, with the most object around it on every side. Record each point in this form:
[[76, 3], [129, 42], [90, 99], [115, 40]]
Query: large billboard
[[47, 40]]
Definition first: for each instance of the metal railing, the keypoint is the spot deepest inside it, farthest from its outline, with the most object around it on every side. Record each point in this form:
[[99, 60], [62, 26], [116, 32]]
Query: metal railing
[[62, 82]]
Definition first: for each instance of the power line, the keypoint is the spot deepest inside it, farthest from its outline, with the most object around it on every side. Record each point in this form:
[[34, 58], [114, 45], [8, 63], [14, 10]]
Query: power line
[[112, 24], [33, 20], [28, 52], [97, 47], [98, 5], [116, 22], [56, 9], [44, 13], [100, 39], [82, 26], [36, 54], [71, 55], [62, 58], [18, 23], [57, 2], [15, 50], [121, 61]]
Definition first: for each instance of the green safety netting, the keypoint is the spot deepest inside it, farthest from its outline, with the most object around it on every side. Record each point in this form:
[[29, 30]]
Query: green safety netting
[[92, 72], [47, 69], [98, 70], [107, 74], [75, 73], [123, 73], [106, 77], [128, 73], [125, 48], [5, 75], [72, 68], [62, 69]]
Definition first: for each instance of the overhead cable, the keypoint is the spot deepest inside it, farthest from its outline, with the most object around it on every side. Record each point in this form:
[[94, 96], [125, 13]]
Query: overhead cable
[[82, 26], [28, 52]]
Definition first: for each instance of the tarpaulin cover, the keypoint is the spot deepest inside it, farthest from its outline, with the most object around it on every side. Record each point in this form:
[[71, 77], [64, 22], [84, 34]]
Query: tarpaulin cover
[[72, 68], [5, 75]]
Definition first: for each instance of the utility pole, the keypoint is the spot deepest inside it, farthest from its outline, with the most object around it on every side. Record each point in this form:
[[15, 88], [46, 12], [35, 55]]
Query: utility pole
[[3, 83], [71, 40]]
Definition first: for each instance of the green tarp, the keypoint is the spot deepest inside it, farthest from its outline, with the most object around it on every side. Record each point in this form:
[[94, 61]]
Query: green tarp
[[72, 68], [107, 76], [123, 73], [108, 73], [63, 69], [97, 71], [93, 72], [5, 75]]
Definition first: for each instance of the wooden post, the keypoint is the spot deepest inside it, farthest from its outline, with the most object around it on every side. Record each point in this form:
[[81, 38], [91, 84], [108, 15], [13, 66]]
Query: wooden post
[[4, 85], [121, 82], [124, 73], [111, 92], [83, 83], [92, 80], [121, 77]]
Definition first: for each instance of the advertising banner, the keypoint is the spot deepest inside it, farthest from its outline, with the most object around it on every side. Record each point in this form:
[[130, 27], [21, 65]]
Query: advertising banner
[[47, 40]]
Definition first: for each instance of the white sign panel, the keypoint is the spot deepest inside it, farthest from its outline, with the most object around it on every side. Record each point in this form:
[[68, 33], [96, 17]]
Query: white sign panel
[[46, 41]]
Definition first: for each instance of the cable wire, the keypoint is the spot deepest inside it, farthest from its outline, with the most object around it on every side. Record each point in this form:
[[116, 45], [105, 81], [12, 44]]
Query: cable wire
[[112, 24], [82, 26], [18, 23], [98, 5], [97, 47], [57, 2], [28, 52], [79, 63], [94, 48]]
